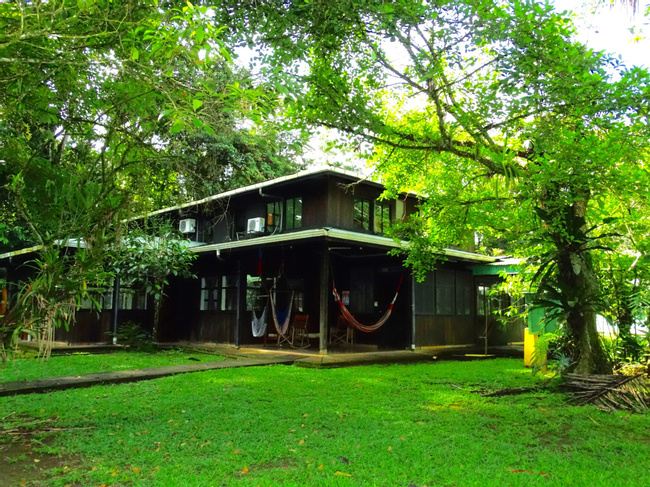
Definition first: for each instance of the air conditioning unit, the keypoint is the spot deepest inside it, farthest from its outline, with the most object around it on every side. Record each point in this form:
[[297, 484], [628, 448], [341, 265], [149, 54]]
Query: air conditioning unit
[[255, 225], [188, 225]]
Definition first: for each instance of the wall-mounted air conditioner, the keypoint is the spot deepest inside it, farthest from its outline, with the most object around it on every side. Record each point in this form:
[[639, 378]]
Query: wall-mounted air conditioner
[[187, 225], [255, 225]]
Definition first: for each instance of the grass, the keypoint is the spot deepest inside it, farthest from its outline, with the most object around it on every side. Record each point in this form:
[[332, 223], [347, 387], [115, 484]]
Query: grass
[[75, 364], [401, 425]]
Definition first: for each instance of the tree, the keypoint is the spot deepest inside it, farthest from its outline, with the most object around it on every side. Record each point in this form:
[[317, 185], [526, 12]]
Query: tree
[[100, 102], [489, 109], [148, 256]]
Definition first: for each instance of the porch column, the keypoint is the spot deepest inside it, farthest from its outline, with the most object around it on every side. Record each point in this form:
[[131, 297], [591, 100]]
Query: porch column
[[115, 302], [241, 303], [324, 298], [412, 312]]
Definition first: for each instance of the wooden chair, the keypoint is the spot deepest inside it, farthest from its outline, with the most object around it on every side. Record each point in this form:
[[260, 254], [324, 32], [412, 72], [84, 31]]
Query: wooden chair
[[342, 332], [299, 335]]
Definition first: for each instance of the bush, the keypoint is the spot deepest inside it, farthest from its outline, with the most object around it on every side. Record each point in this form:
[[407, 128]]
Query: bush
[[133, 336]]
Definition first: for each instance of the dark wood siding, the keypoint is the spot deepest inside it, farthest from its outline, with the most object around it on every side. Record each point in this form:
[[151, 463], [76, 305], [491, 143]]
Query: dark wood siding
[[444, 330], [89, 327], [214, 327]]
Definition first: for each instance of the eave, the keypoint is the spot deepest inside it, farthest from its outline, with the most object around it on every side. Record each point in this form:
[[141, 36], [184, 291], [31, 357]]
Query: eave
[[333, 234]]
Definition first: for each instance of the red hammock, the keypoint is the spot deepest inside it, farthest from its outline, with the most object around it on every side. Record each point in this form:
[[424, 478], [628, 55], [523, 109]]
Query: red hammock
[[360, 326]]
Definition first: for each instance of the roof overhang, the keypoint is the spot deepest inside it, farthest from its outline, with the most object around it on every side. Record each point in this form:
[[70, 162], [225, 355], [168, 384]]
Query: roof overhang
[[334, 234], [304, 236], [24, 251]]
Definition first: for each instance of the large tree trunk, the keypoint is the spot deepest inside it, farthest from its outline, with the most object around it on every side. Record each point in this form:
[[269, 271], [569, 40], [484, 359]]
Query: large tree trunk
[[578, 281]]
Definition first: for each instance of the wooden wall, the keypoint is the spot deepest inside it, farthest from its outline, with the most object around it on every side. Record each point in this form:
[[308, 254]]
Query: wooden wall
[[431, 330]]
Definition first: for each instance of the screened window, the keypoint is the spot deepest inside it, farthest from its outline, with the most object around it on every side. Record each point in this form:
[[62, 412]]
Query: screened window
[[228, 293], [361, 291], [255, 293], [361, 214], [463, 293], [481, 300], [425, 293], [130, 298], [445, 296], [298, 286], [382, 216], [294, 213], [273, 216], [219, 293]]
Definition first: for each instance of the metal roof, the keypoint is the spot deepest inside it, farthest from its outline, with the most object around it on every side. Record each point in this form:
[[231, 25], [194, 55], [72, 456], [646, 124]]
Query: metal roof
[[27, 250], [265, 184], [358, 238]]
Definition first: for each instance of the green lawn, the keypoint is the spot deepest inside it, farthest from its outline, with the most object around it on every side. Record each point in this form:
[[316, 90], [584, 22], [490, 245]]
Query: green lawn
[[401, 425], [73, 364]]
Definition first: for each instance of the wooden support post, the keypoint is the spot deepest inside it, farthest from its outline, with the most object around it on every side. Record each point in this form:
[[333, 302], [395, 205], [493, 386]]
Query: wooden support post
[[412, 290], [116, 305], [324, 299], [241, 303]]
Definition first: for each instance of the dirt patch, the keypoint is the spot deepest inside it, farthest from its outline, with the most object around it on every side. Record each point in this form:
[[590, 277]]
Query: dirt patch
[[22, 464]]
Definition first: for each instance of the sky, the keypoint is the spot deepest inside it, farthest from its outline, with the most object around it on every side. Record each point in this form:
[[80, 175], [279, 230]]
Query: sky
[[608, 29]]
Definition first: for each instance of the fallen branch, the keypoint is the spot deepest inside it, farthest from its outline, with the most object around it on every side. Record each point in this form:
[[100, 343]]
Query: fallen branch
[[609, 392], [514, 391]]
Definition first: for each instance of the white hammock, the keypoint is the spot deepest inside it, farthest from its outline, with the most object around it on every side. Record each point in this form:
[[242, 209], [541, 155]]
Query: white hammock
[[259, 324]]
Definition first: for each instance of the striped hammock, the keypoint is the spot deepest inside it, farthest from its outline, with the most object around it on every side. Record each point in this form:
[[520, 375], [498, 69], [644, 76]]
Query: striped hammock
[[360, 326]]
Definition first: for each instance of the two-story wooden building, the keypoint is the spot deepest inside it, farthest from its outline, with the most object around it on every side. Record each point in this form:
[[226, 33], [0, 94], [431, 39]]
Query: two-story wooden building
[[280, 246]]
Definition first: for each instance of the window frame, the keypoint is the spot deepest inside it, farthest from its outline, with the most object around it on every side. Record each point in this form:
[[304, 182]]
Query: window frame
[[382, 214], [361, 222], [274, 215], [219, 293], [293, 211]]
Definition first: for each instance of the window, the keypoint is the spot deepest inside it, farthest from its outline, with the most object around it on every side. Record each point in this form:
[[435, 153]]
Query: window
[[273, 216], [400, 209], [361, 291], [294, 213], [445, 296], [425, 293], [481, 300], [206, 231], [130, 298], [255, 293], [361, 214], [463, 293], [298, 286], [219, 293], [382, 216]]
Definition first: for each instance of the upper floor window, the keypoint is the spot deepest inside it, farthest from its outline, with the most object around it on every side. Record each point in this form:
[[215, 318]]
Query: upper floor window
[[382, 216], [361, 214], [206, 231], [294, 213], [273, 216]]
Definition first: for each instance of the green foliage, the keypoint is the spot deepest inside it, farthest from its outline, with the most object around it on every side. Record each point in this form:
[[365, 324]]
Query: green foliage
[[102, 107], [50, 298], [133, 336], [490, 110]]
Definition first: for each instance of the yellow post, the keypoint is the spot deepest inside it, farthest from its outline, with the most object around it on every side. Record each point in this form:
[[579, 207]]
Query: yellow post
[[529, 347]]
